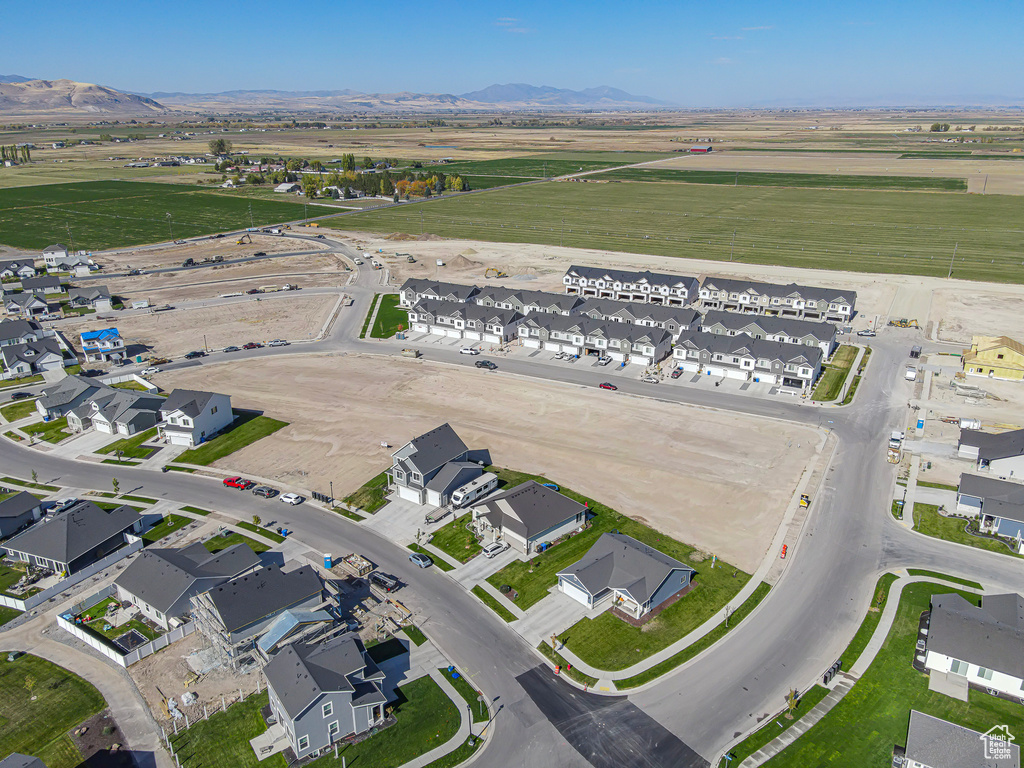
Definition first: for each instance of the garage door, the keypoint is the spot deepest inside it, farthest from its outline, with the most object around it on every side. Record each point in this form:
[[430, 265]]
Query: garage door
[[409, 494], [574, 592], [454, 333], [732, 373], [714, 370], [531, 343]]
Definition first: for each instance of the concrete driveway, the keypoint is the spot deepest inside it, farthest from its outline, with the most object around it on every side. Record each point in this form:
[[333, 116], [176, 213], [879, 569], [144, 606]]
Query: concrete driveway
[[480, 567], [552, 615]]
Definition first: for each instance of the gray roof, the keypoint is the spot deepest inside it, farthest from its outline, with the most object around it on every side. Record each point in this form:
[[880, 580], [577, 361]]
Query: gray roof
[[991, 446], [453, 475], [439, 290], [120, 405], [46, 281], [991, 488], [54, 247], [437, 308], [755, 287], [73, 532], [90, 294], [18, 504], [255, 596], [17, 760], [781, 351], [300, 673], [17, 329], [69, 388], [768, 324], [991, 636], [161, 576], [556, 302], [529, 509], [30, 352], [634, 311], [617, 561], [191, 402], [941, 744], [432, 449], [16, 264], [23, 299], [632, 276]]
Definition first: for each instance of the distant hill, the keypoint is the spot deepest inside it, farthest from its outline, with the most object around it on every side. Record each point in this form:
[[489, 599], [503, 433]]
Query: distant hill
[[14, 79], [67, 97], [546, 95]]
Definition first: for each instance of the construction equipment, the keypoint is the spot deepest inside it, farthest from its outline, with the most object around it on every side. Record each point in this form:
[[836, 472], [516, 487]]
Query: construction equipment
[[805, 500], [894, 455], [356, 564], [492, 272], [904, 323], [243, 239]]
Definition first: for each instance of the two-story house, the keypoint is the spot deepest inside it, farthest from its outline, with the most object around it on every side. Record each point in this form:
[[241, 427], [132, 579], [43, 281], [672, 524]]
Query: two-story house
[[785, 329], [190, 417], [630, 285], [997, 504], [672, 318], [19, 331], [58, 258], [582, 335], [103, 345], [527, 302], [464, 321], [116, 412], [748, 359], [801, 302], [414, 290], [31, 357], [994, 357], [1000, 454], [323, 692], [428, 468]]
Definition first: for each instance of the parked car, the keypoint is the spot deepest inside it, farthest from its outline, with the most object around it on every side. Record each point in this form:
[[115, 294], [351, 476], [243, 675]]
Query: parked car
[[265, 491], [469, 351], [20, 395], [260, 253], [559, 355], [358, 262], [133, 272], [232, 349], [420, 559], [384, 581], [253, 291], [252, 345], [649, 379], [495, 549], [150, 371], [62, 504], [677, 373], [486, 364], [238, 482], [217, 237], [194, 354], [603, 360], [321, 237], [606, 385], [866, 332], [292, 498], [278, 343], [179, 242]]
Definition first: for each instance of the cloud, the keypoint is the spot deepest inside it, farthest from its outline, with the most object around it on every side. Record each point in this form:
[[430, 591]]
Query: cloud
[[727, 37], [505, 21], [510, 25], [755, 29]]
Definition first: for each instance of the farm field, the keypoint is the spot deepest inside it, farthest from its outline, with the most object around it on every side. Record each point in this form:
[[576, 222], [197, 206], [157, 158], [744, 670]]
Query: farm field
[[768, 179], [862, 231], [106, 214]]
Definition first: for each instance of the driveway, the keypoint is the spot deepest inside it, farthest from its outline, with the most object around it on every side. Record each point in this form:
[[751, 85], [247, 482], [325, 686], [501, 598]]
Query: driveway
[[480, 567], [399, 520], [552, 616], [86, 442]]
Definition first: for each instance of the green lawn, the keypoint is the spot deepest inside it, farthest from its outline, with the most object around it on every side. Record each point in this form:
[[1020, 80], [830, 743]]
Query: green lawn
[[457, 756], [196, 510], [139, 499], [168, 525], [834, 374], [715, 587], [892, 232], [98, 624], [862, 729], [246, 430], [28, 484], [491, 602], [217, 543], [390, 319], [769, 179], [927, 520], [133, 385], [50, 431], [453, 539], [130, 447], [941, 486], [40, 727], [371, 496], [558, 660], [106, 214], [870, 623], [19, 410], [22, 382], [223, 740], [415, 634], [947, 577], [469, 693], [267, 532], [8, 614], [774, 727], [369, 314], [122, 462], [9, 576], [438, 562]]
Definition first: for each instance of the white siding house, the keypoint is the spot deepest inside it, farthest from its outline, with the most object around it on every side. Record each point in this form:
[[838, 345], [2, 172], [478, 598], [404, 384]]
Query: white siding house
[[189, 417]]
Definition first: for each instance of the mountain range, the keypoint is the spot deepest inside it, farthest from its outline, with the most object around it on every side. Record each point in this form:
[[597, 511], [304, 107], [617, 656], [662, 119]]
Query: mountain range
[[22, 96]]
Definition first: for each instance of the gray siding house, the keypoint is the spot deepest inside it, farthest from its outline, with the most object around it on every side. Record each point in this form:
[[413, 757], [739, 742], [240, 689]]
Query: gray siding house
[[1002, 454], [18, 331], [748, 359], [413, 291], [429, 467], [801, 302], [464, 321], [672, 318], [69, 393], [323, 692], [17, 512], [785, 329], [630, 285], [998, 504], [936, 743], [527, 516]]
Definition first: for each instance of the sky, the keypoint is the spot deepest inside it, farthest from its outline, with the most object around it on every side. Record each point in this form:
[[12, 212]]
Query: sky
[[720, 54]]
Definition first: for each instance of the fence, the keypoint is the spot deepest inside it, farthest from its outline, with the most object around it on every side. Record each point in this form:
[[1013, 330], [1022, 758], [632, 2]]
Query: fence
[[134, 545], [120, 378], [110, 651]]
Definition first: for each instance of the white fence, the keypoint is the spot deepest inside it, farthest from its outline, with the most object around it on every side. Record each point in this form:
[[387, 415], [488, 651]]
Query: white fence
[[113, 653], [134, 545], [120, 378]]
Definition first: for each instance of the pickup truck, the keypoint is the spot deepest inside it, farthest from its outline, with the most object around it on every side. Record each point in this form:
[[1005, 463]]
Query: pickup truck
[[238, 482]]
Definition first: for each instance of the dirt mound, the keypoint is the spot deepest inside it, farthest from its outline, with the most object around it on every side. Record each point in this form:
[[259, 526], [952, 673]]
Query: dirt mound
[[469, 252], [429, 238], [461, 262], [403, 236]]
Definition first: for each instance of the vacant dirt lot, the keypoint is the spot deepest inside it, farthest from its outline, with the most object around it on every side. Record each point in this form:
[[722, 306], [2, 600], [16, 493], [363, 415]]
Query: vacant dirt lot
[[175, 255], [710, 478], [962, 314], [169, 334]]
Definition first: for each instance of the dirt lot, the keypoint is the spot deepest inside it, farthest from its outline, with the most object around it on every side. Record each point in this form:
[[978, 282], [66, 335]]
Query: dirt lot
[[963, 314], [175, 255], [710, 478], [1002, 409], [169, 334]]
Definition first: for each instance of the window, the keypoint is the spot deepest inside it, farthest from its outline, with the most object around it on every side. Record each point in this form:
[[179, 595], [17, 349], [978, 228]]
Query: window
[[303, 743], [333, 730], [328, 709], [984, 674], [999, 357], [213, 410], [958, 667]]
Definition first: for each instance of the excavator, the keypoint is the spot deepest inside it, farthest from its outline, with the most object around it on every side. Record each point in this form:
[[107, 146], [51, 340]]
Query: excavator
[[245, 237], [492, 272], [904, 323]]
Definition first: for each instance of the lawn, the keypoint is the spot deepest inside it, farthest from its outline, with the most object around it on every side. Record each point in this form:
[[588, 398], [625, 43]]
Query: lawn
[[28, 484], [196, 510], [50, 431], [40, 727], [415, 634], [267, 532], [122, 462], [928, 521], [862, 729], [167, 526], [390, 319], [834, 374], [947, 577], [225, 540], [940, 486], [870, 623], [469, 693], [132, 385], [491, 602], [369, 314], [371, 496], [245, 430], [453, 539], [98, 625], [8, 614], [9, 576], [558, 660], [769, 179], [105, 214], [774, 727], [715, 587], [864, 231], [19, 410], [223, 740]]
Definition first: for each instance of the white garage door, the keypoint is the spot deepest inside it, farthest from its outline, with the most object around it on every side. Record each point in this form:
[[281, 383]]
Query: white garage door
[[421, 327], [574, 592], [733, 373], [438, 330], [473, 335], [531, 343], [454, 333], [409, 494], [492, 339], [714, 370]]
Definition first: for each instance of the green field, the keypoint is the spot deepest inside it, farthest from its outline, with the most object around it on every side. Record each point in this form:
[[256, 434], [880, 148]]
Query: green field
[[130, 446], [834, 374], [106, 214], [768, 179], [371, 496], [245, 430], [511, 170], [862, 231], [390, 318]]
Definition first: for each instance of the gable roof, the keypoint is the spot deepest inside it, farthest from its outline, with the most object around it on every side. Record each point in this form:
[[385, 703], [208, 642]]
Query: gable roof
[[18, 328], [779, 351], [255, 596], [119, 405], [529, 509], [30, 352], [18, 760], [432, 449], [990, 446], [92, 293], [73, 532], [161, 576], [454, 472], [18, 504], [439, 290], [620, 562], [632, 276], [68, 389], [783, 291], [991, 488], [56, 247], [23, 299], [191, 402], [288, 622], [46, 281], [769, 324], [991, 636], [104, 334], [931, 741], [439, 308]]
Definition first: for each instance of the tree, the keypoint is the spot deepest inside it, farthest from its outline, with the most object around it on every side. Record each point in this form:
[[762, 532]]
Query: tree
[[367, 162], [792, 702], [117, 485], [317, 166], [35, 477], [348, 162], [256, 520], [220, 147], [311, 185]]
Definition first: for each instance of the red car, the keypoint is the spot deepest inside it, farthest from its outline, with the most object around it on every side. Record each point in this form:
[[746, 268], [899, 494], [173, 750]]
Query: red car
[[677, 373], [606, 385], [238, 482], [252, 345]]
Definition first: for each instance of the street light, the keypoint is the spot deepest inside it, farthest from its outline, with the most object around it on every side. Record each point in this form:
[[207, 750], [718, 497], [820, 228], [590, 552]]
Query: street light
[[332, 493], [480, 698]]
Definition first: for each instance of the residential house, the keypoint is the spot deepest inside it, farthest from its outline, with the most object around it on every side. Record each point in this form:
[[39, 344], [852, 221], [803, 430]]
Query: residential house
[[234, 615], [995, 357], [936, 743], [582, 335], [18, 268], [417, 463], [75, 537], [103, 345], [527, 302], [747, 359], [18, 331], [68, 393], [464, 321], [801, 302], [116, 412], [288, 186], [190, 417], [162, 582], [41, 286], [18, 760], [323, 692], [95, 297], [414, 290], [58, 258], [32, 357], [26, 305], [672, 318], [1002, 454], [773, 328], [997, 504], [630, 285], [292, 626], [977, 646], [528, 516], [630, 575], [16, 512]]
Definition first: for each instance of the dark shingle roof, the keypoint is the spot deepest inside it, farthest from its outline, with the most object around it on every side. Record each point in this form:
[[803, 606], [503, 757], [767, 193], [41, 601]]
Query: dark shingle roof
[[632, 276], [18, 760], [715, 343], [991, 446], [529, 509], [18, 505], [73, 532], [931, 741], [189, 401], [91, 293], [16, 329], [30, 352], [432, 449], [991, 488], [773, 289], [255, 596], [991, 636], [69, 388], [749, 324]]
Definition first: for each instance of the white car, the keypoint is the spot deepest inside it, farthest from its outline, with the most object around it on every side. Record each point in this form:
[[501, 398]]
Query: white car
[[291, 498], [358, 262], [495, 549], [150, 371], [469, 351], [278, 343]]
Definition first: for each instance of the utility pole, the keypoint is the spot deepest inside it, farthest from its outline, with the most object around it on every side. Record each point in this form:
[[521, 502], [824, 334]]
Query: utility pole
[[251, 223], [952, 259], [421, 221], [169, 232], [71, 237], [561, 233], [733, 246]]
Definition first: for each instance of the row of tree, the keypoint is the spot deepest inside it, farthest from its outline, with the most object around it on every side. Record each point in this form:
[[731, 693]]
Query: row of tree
[[16, 154], [401, 185]]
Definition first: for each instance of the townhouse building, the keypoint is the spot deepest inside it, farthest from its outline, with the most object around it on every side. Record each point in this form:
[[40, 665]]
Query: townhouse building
[[794, 366], [785, 329], [581, 335], [672, 318], [793, 301], [527, 302], [630, 285], [413, 290], [464, 321]]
